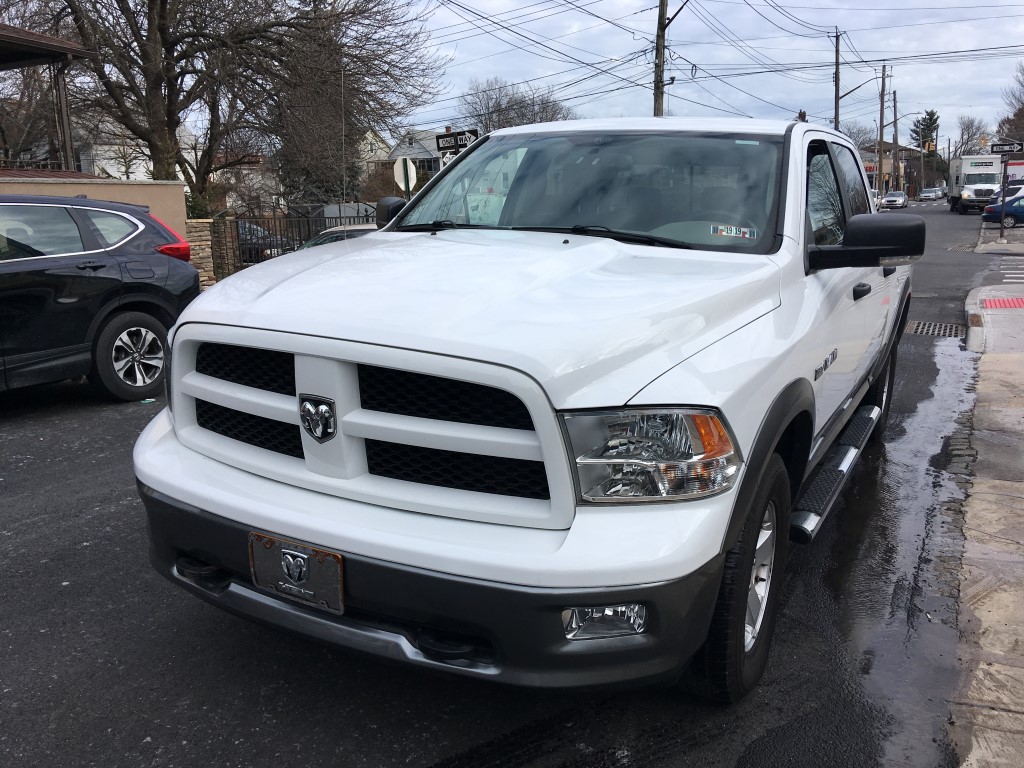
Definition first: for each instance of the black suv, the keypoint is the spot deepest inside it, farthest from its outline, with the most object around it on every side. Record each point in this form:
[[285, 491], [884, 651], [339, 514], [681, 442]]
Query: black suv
[[88, 287]]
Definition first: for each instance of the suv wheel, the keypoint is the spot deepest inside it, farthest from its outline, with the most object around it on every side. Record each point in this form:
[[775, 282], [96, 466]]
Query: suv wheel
[[735, 654], [128, 357]]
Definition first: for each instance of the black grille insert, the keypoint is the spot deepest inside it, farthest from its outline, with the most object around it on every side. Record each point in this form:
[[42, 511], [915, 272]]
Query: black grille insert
[[463, 471], [268, 434], [434, 397], [249, 366]]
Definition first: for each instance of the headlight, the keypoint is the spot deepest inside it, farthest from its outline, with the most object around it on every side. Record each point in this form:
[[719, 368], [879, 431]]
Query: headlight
[[633, 456]]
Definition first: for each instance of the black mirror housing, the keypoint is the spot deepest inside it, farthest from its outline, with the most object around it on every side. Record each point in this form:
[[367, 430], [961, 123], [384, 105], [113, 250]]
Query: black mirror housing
[[387, 209], [873, 240]]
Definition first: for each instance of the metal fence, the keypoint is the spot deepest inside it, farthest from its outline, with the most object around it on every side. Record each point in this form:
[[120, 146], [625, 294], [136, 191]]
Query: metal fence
[[237, 243]]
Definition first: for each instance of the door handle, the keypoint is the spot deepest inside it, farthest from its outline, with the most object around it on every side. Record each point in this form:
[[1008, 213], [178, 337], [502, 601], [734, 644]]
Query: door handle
[[886, 271], [92, 265], [860, 290]]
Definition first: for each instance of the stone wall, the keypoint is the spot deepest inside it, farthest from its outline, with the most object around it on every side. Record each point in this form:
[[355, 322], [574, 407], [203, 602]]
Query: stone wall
[[198, 233]]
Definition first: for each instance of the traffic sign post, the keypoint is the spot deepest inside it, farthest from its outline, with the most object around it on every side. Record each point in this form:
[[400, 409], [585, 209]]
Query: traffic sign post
[[450, 144], [405, 175]]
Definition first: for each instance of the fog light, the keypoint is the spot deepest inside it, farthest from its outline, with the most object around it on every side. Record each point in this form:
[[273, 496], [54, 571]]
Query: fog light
[[608, 621]]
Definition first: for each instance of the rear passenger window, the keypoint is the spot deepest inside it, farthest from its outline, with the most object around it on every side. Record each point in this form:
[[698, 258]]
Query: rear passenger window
[[111, 227], [851, 179], [824, 204], [37, 230]]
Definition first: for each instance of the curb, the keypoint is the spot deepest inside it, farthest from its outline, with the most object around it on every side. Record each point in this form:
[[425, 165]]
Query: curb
[[975, 321]]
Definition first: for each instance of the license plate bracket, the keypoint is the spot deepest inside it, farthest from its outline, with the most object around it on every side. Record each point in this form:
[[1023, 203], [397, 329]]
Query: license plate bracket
[[297, 571]]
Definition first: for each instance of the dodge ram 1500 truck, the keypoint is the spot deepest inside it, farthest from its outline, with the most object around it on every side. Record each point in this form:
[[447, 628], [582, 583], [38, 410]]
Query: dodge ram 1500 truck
[[556, 423]]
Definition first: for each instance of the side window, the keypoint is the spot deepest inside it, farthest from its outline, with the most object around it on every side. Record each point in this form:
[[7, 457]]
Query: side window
[[37, 230], [111, 227], [824, 204], [853, 182]]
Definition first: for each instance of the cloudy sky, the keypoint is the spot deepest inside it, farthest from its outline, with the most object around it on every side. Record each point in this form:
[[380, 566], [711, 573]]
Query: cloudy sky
[[753, 58]]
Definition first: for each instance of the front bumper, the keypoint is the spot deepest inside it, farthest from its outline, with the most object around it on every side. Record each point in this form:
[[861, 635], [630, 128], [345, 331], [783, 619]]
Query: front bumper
[[403, 613]]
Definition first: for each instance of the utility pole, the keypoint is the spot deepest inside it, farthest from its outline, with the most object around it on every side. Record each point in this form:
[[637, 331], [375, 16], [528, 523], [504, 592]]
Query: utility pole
[[659, 55], [836, 121], [659, 59], [881, 129], [896, 168]]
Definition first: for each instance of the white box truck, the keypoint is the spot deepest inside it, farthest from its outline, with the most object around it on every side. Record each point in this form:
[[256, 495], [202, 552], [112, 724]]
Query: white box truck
[[973, 179]]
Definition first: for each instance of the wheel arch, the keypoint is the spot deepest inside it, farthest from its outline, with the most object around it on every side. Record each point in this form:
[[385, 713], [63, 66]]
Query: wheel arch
[[148, 305], [787, 429]]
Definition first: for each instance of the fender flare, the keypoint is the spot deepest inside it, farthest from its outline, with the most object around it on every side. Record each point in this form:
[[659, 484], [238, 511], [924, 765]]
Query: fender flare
[[795, 399]]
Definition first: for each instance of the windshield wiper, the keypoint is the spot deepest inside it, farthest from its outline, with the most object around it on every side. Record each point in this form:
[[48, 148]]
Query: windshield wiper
[[600, 230], [433, 226]]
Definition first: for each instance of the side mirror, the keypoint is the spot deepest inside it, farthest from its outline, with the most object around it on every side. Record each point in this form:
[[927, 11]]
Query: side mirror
[[387, 209], [872, 240]]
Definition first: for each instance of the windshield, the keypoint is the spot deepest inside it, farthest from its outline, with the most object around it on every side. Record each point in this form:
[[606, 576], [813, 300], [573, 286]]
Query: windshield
[[981, 178], [707, 190]]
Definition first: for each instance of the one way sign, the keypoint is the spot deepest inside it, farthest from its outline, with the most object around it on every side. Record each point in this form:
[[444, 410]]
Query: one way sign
[[1002, 149]]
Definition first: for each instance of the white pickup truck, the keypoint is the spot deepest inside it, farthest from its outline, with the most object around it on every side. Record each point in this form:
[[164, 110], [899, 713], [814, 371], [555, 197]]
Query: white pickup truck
[[556, 423]]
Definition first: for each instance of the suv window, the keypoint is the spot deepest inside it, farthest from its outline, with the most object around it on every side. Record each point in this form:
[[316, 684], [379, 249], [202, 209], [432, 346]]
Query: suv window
[[853, 182], [37, 230], [113, 228], [824, 204]]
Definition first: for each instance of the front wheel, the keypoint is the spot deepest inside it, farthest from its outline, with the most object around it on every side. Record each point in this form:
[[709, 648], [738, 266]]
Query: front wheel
[[128, 357], [735, 654], [1009, 222], [961, 209]]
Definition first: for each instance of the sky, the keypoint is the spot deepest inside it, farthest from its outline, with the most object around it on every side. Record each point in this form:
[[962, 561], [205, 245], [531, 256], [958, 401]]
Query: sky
[[743, 58]]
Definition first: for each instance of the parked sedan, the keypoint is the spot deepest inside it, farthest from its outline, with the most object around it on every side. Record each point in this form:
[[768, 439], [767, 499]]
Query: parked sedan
[[930, 194], [895, 200], [257, 243], [1011, 212], [334, 234], [88, 288]]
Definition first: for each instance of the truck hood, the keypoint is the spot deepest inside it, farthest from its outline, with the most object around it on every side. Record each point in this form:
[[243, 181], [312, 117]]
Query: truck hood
[[592, 320]]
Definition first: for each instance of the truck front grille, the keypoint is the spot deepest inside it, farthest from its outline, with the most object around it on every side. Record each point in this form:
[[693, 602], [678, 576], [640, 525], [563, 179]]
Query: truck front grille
[[381, 390], [451, 469], [269, 434], [259, 368], [432, 397]]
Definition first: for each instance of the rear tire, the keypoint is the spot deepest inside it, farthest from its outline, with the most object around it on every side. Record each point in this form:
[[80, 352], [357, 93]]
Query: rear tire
[[735, 654], [128, 357]]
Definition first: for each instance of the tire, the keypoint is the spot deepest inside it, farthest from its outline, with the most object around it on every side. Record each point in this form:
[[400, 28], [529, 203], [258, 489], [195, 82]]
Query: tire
[[961, 209], [880, 394], [128, 357], [1009, 222], [735, 654]]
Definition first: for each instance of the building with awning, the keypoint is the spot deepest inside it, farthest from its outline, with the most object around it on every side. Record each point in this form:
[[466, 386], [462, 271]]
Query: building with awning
[[21, 48]]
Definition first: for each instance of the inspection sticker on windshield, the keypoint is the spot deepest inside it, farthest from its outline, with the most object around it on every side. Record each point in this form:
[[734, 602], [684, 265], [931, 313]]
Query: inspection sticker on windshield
[[724, 230]]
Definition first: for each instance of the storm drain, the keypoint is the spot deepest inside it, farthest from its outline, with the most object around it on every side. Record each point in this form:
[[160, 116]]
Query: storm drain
[[963, 248], [923, 328]]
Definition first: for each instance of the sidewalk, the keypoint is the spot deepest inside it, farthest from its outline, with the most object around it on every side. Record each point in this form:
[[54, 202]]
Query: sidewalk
[[987, 713]]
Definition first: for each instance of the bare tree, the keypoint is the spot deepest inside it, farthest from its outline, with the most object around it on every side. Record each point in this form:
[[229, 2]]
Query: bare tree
[[496, 103], [973, 136], [863, 136], [211, 66], [26, 115]]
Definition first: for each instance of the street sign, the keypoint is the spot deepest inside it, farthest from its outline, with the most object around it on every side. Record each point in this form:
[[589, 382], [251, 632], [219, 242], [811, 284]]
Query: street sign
[[405, 174], [446, 157], [455, 142], [1002, 149]]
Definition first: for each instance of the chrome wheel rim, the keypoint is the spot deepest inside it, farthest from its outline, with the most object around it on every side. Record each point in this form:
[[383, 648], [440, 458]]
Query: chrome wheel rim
[[760, 577], [138, 357]]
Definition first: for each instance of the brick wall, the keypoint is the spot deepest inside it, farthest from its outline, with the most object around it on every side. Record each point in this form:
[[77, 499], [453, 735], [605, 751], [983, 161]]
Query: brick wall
[[198, 233]]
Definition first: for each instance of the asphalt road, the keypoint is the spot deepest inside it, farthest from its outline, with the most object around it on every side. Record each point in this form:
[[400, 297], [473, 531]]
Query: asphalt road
[[106, 664]]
